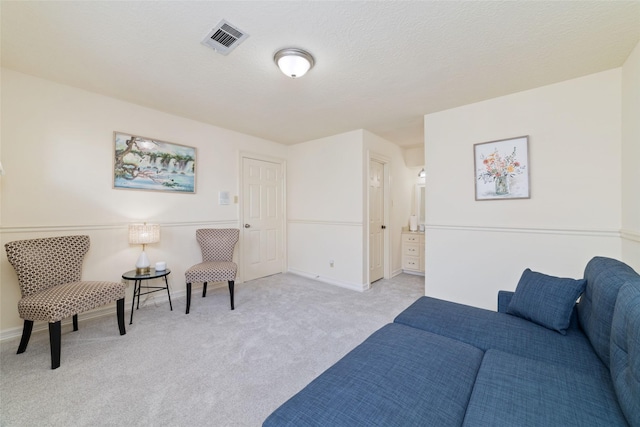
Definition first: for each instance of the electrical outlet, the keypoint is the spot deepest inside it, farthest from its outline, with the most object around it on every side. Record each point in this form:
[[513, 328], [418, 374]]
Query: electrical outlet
[[331, 263]]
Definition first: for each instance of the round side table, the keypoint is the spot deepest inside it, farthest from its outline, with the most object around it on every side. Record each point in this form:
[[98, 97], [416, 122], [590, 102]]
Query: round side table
[[137, 285]]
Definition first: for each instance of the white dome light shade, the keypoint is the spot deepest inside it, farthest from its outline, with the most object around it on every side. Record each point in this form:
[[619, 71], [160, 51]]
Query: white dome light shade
[[293, 62]]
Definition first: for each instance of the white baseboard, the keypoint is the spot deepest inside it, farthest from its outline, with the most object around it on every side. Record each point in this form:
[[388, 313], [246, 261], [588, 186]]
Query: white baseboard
[[353, 286], [394, 273], [110, 310], [105, 310], [415, 273]]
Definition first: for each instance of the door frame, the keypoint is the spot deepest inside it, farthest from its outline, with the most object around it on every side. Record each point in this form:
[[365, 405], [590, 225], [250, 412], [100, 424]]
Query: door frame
[[241, 208], [386, 167]]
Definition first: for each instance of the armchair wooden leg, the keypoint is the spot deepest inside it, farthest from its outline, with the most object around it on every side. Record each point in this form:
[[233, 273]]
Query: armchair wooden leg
[[120, 314], [231, 293], [55, 334], [26, 334], [188, 296], [75, 322], [204, 289]]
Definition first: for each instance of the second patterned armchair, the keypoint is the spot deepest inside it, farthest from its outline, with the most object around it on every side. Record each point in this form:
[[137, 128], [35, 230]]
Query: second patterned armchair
[[217, 245]]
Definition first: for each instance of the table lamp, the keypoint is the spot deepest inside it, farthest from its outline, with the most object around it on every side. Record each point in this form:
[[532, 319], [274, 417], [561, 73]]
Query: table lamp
[[143, 234]]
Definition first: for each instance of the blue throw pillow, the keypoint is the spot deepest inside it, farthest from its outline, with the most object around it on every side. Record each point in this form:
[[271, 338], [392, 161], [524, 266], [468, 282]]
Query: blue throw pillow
[[546, 300]]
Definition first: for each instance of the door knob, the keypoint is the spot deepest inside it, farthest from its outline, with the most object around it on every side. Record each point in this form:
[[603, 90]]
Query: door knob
[[384, 227], [247, 226]]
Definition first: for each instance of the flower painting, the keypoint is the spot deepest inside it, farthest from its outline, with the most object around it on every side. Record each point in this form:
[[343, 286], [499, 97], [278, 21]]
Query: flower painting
[[147, 164], [502, 169]]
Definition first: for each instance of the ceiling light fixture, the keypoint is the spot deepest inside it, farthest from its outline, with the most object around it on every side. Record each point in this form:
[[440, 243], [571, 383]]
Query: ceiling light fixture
[[294, 62]]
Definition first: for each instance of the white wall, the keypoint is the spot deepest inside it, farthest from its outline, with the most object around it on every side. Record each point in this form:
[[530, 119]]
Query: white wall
[[324, 209], [57, 152], [631, 159], [414, 159], [474, 248], [327, 206], [414, 156], [402, 190]]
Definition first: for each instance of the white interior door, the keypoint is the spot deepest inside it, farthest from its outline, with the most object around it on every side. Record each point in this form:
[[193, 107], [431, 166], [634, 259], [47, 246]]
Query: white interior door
[[263, 218], [376, 221]]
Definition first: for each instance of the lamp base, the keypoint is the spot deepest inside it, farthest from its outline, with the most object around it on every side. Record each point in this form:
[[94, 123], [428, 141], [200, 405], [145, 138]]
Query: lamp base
[[143, 264], [143, 270]]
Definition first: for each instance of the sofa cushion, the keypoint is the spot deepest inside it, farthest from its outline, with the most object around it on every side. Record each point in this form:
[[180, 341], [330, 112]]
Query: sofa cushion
[[546, 300], [399, 376], [605, 277], [487, 329], [625, 351], [515, 391], [504, 298]]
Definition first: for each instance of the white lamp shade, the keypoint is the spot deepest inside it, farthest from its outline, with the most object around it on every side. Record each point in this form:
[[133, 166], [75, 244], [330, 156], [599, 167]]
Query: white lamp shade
[[294, 66], [294, 62], [142, 234]]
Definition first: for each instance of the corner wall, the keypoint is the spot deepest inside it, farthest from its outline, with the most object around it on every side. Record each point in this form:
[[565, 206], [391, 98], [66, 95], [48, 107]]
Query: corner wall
[[324, 209], [327, 206], [402, 190], [475, 248], [57, 152], [631, 159]]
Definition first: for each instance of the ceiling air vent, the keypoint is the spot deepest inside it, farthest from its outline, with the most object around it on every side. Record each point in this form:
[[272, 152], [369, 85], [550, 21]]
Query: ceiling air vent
[[224, 37]]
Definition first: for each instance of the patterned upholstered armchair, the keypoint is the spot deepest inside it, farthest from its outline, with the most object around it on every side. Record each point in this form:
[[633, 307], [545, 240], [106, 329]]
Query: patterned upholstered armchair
[[49, 272], [217, 245]]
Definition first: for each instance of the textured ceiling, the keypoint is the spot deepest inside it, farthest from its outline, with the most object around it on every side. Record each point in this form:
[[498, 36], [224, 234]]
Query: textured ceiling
[[379, 65]]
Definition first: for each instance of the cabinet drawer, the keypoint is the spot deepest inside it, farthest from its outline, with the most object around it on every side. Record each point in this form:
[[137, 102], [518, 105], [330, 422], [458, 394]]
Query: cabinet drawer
[[411, 263], [411, 238], [411, 249]]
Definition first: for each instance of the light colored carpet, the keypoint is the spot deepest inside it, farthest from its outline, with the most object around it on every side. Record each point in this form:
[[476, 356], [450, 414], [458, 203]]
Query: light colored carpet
[[213, 367]]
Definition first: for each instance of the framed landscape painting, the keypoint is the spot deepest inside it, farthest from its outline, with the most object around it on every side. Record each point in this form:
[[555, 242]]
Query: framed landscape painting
[[502, 169], [142, 163]]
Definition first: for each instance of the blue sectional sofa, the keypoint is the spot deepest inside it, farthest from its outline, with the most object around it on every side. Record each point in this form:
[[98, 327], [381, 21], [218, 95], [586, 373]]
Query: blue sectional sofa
[[541, 360]]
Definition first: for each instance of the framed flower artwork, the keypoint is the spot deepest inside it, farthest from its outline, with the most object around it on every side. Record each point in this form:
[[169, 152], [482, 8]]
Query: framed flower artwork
[[502, 169]]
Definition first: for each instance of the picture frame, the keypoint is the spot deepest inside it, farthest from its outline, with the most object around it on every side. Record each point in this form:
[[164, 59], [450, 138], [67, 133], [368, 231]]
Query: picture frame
[[502, 169], [142, 163]]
